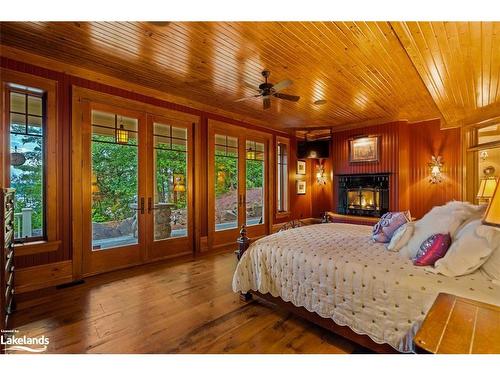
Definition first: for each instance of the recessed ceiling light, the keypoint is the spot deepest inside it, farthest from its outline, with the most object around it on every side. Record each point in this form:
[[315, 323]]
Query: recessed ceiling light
[[320, 102]]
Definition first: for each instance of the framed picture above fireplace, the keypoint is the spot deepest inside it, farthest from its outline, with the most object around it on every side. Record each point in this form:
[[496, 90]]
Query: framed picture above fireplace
[[364, 149]]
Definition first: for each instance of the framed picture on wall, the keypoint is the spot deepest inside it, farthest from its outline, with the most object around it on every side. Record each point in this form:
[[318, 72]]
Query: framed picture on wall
[[301, 167], [364, 149], [301, 187]]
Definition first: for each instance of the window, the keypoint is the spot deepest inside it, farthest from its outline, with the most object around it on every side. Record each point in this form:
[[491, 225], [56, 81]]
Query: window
[[27, 134], [482, 161], [282, 175], [488, 157]]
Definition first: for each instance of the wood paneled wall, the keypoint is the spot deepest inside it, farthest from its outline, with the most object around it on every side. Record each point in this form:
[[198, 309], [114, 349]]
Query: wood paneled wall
[[300, 205], [322, 194], [428, 139], [406, 150], [389, 157]]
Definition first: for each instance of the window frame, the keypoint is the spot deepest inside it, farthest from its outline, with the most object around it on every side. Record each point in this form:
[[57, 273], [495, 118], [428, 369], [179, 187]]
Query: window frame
[[50, 241], [471, 148], [43, 97], [286, 212]]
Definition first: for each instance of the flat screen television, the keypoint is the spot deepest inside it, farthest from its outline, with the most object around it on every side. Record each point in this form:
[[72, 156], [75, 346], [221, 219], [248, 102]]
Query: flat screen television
[[313, 149]]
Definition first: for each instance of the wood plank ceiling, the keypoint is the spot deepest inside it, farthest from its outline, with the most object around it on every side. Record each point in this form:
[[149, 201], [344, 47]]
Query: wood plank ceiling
[[369, 72]]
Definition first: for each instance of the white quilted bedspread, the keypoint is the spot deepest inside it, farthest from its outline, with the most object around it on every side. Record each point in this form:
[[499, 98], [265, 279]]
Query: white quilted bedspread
[[338, 272]]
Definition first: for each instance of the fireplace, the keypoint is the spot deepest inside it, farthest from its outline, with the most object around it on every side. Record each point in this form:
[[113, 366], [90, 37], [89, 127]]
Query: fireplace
[[363, 195]]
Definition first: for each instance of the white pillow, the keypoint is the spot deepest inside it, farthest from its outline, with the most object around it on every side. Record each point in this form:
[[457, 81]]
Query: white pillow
[[440, 219], [492, 266], [470, 249], [401, 236], [477, 212]]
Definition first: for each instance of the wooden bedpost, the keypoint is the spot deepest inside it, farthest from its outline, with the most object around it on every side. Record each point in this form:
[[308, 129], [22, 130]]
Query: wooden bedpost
[[243, 242]]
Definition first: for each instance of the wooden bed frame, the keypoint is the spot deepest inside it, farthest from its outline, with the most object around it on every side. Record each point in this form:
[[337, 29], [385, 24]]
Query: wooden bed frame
[[328, 324]]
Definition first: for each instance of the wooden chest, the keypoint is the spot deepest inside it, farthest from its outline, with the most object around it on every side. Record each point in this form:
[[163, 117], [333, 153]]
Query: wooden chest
[[7, 256]]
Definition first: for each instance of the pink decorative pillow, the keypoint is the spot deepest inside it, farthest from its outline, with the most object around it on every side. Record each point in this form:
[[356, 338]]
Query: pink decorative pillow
[[432, 249], [388, 224]]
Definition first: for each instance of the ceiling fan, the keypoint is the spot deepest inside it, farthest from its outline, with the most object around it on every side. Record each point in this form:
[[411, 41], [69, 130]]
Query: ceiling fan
[[267, 90]]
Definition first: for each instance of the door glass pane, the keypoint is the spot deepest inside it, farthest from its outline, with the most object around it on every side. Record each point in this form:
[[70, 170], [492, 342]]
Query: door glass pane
[[254, 183], [114, 180], [226, 182], [170, 198]]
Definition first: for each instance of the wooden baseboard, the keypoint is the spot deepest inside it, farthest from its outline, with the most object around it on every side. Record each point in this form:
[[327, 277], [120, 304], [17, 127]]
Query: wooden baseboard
[[204, 244], [43, 276]]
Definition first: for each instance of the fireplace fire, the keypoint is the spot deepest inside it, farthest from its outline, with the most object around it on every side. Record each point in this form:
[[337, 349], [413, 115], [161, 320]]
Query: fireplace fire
[[364, 199], [363, 195]]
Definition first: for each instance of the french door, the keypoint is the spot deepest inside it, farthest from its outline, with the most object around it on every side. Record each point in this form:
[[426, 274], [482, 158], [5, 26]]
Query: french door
[[170, 204], [136, 186], [238, 179], [114, 176]]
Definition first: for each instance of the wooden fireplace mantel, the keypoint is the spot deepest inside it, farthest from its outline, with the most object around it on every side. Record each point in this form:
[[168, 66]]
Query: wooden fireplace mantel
[[352, 219]]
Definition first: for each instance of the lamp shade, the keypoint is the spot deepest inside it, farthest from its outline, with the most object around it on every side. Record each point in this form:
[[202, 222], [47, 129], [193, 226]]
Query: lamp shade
[[487, 187], [492, 216], [180, 188]]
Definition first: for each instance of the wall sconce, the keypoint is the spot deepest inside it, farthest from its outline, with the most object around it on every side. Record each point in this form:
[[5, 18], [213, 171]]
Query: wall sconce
[[483, 155], [320, 175], [435, 167]]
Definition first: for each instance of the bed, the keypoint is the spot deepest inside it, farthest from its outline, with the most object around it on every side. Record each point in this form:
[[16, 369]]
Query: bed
[[336, 272]]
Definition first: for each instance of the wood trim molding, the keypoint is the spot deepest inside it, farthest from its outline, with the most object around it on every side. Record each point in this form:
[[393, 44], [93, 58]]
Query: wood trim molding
[[52, 162], [43, 276], [130, 104], [30, 248], [281, 214]]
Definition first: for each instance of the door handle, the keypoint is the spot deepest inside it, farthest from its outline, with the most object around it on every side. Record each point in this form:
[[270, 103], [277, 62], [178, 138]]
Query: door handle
[[141, 206], [150, 205], [242, 199]]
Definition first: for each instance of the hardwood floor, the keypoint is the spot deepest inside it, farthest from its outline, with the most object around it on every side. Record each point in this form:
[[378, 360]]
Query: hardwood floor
[[186, 307]]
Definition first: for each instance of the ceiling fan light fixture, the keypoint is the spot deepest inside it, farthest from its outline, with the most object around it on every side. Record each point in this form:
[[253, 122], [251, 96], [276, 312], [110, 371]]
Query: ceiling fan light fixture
[[267, 90], [320, 102]]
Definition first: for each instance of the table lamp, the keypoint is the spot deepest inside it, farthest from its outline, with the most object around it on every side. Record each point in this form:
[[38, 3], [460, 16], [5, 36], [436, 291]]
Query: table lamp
[[492, 215]]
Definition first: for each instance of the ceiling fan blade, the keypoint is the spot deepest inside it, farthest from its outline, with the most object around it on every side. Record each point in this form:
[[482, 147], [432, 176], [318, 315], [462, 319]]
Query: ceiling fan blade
[[292, 98], [247, 98], [267, 102], [281, 85]]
